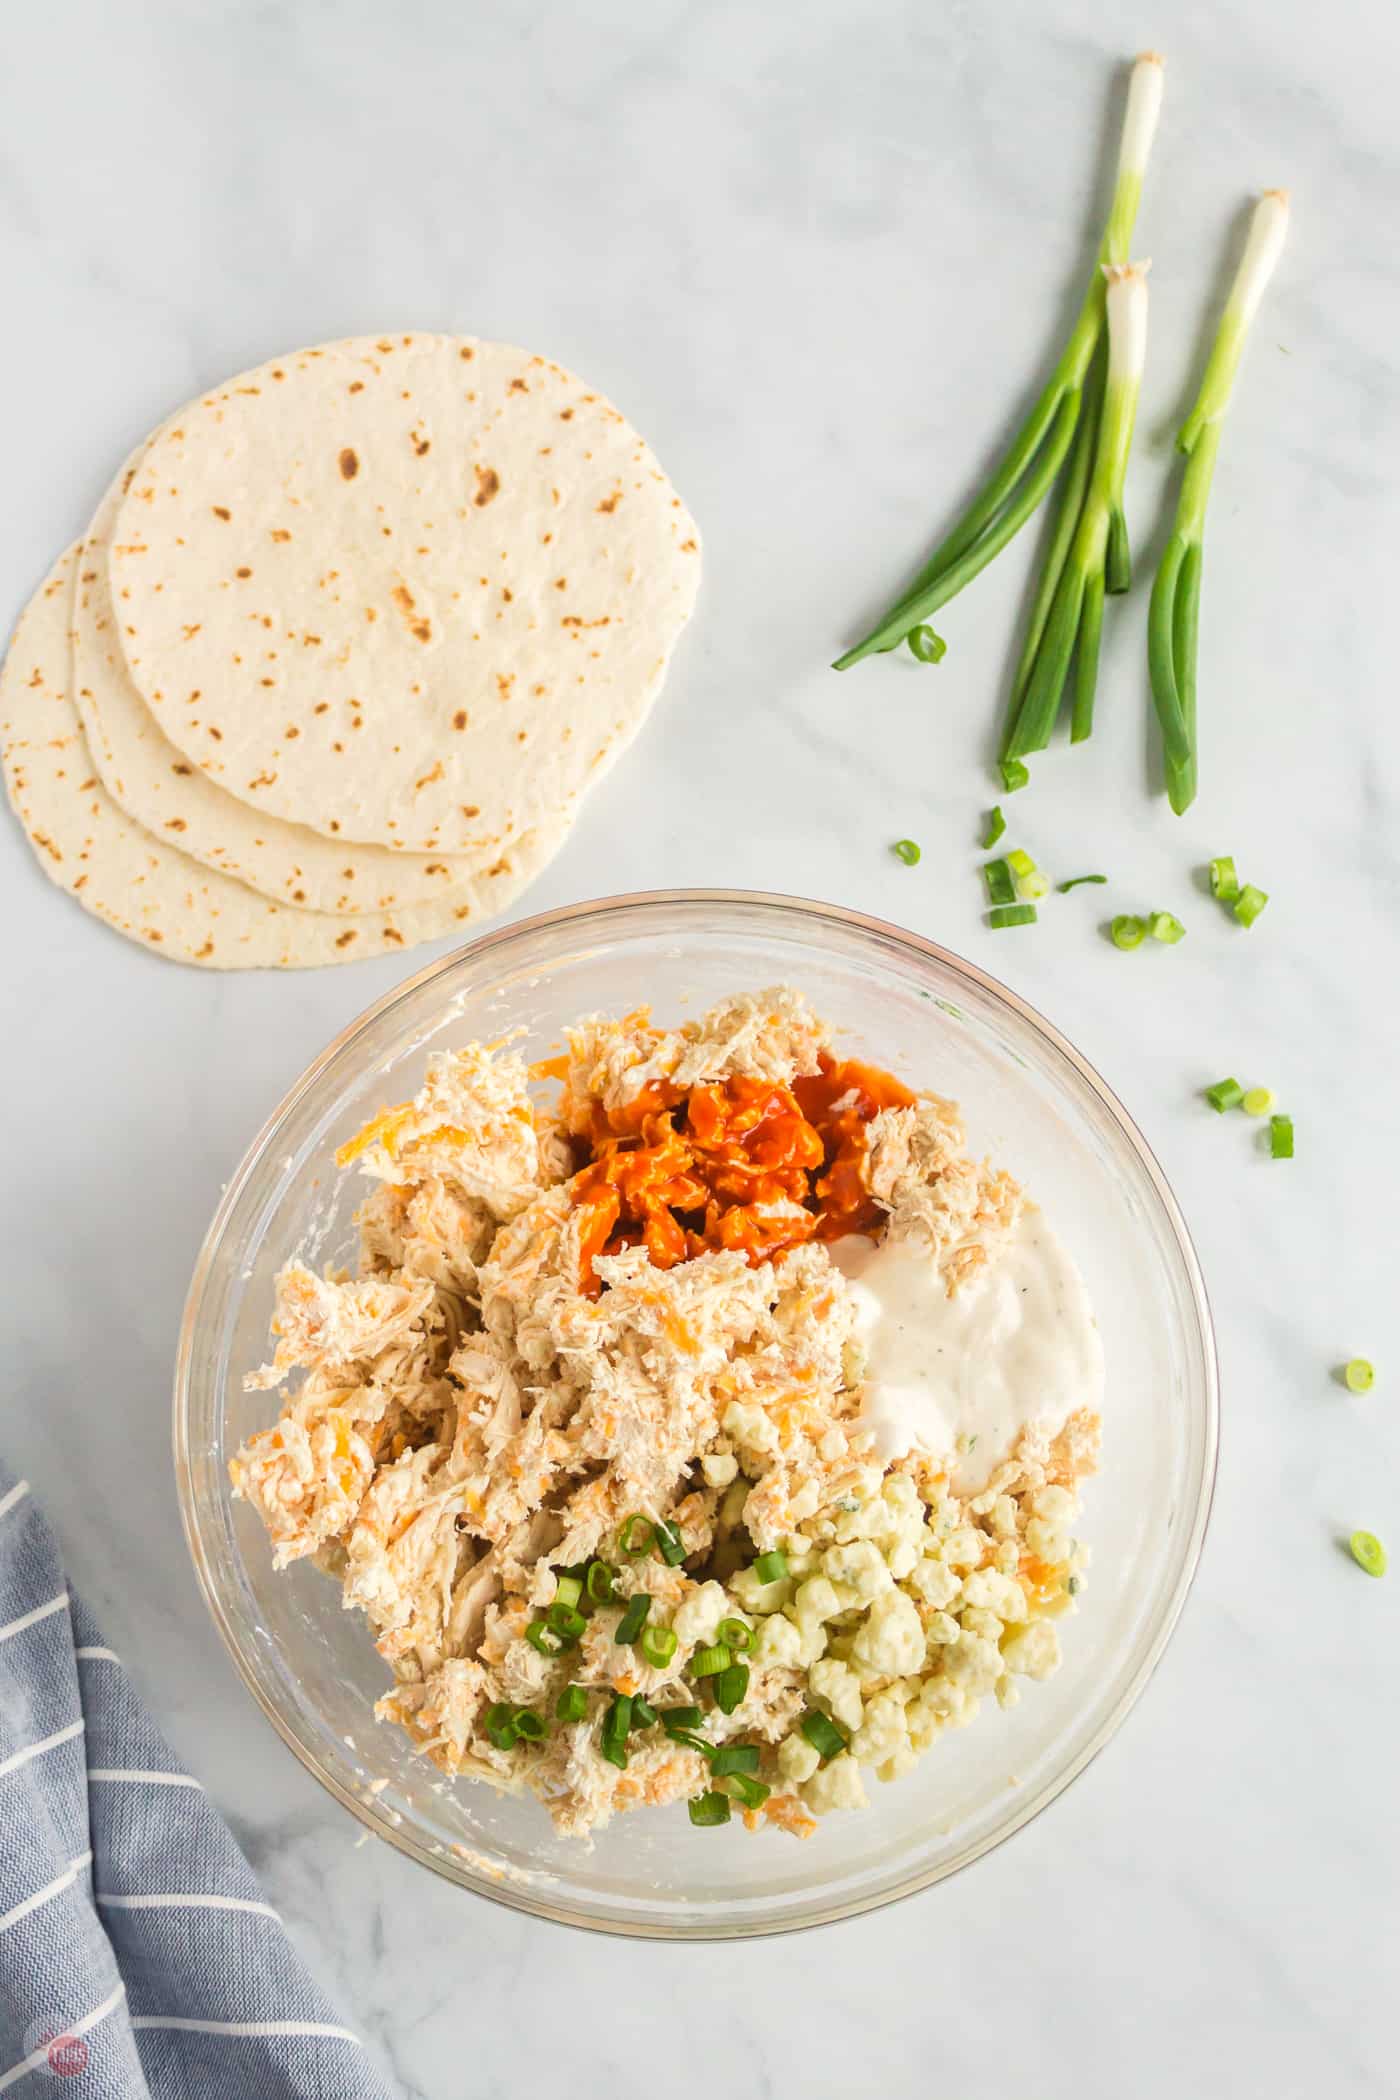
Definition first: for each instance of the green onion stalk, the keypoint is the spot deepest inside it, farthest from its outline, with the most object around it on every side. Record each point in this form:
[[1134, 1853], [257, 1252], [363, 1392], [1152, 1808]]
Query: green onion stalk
[[1047, 437], [1088, 555], [1173, 620]]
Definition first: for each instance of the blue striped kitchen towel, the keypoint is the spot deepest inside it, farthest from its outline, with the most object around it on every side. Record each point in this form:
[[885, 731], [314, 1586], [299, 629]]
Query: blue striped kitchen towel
[[138, 1956]]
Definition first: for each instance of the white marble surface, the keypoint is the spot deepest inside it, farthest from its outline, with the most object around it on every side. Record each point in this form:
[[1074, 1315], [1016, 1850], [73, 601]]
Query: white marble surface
[[817, 252]]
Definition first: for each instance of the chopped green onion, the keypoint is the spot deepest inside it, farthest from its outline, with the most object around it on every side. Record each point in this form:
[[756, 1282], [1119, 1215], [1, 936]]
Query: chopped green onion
[[568, 1589], [930, 648], [658, 1645], [669, 1543], [1074, 1585], [1280, 1137], [1014, 774], [1033, 887], [643, 1712], [1020, 862], [1173, 619], [617, 1721], [1226, 1093], [734, 1757], [1001, 885], [1036, 453], [1258, 1101], [749, 1793], [545, 1639], [529, 1725], [1012, 915], [708, 1662], [824, 1735], [731, 1687], [599, 1582], [683, 1717], [632, 1620], [1360, 1375], [635, 1538], [1075, 880], [995, 826], [1368, 1552], [1166, 926], [908, 851], [500, 1725], [706, 1810], [563, 1619], [1224, 882], [1127, 932], [691, 1741], [572, 1703], [1249, 903], [734, 1634], [771, 1567]]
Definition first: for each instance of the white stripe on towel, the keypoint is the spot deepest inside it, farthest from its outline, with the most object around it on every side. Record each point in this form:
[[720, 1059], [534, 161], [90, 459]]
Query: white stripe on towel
[[178, 1902], [40, 2056], [44, 1895], [50, 1742], [153, 1778], [16, 1495], [108, 1655], [245, 2027], [32, 1618]]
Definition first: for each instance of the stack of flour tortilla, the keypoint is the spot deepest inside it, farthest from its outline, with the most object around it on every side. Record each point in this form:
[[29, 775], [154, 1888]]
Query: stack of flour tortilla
[[343, 650]]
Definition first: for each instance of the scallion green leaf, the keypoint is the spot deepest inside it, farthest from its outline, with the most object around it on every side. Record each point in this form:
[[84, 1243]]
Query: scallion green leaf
[[1165, 926], [749, 1793], [499, 1722], [1249, 903], [930, 648], [633, 1619], [1360, 1375], [993, 828], [824, 1735], [635, 1538], [1127, 931], [1226, 1093], [1012, 915], [1224, 882], [643, 1712], [1020, 862], [545, 1639], [683, 1717], [1015, 773], [1001, 884], [771, 1567], [658, 1645], [708, 1662], [907, 850], [567, 1589], [564, 1620], [708, 1810], [599, 1582], [1280, 1137], [734, 1757], [731, 1687], [529, 1725], [572, 1703], [735, 1634], [669, 1543], [1368, 1552], [1075, 880]]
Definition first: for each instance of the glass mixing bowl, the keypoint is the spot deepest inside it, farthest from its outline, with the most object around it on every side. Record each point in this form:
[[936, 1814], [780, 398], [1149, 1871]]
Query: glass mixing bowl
[[1029, 1098]]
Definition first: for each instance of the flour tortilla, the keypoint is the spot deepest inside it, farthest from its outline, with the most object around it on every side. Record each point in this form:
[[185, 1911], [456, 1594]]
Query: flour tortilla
[[450, 566], [145, 888], [167, 794]]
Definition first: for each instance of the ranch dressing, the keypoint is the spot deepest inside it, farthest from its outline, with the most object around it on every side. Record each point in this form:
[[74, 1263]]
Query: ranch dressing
[[962, 1377]]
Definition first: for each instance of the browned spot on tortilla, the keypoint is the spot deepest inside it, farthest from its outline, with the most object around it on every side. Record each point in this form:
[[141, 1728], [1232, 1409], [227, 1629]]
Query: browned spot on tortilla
[[182, 769], [262, 780], [334, 824], [175, 824], [220, 512], [436, 867], [689, 547], [391, 933], [502, 867], [337, 746], [421, 629], [208, 948], [291, 731], [466, 352], [419, 443], [321, 707], [488, 485], [610, 503], [298, 896], [565, 414], [517, 386], [561, 583], [357, 386], [470, 809], [245, 573], [154, 936], [190, 632], [573, 620], [343, 940], [218, 735], [311, 641], [522, 736], [434, 774], [280, 533], [459, 720], [42, 839], [504, 681], [349, 463]]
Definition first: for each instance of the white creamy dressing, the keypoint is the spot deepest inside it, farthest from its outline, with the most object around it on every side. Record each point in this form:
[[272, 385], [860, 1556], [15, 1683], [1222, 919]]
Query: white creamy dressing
[[963, 1377]]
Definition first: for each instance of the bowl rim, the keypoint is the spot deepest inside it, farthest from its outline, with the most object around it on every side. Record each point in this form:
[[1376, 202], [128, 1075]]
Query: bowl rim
[[598, 909]]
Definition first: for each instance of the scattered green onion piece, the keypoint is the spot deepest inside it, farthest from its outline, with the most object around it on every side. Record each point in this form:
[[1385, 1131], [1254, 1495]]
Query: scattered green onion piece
[[1075, 880], [500, 1725], [1020, 862], [707, 1810], [689, 1740], [635, 1538], [529, 1725], [617, 1721], [1033, 887], [1001, 884], [1012, 915], [1368, 1552], [734, 1757], [749, 1793], [1166, 926], [599, 1582], [683, 1717], [1226, 1093], [1249, 903], [572, 1703], [568, 1590], [563, 1619], [930, 648], [669, 1543], [734, 1634], [1280, 1137], [1224, 882], [544, 1639], [1015, 773], [1127, 932], [708, 1662], [825, 1737], [658, 1645], [632, 1620], [1258, 1101], [1360, 1375], [907, 850], [1073, 1585], [995, 826], [644, 1714], [771, 1567], [731, 1687]]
